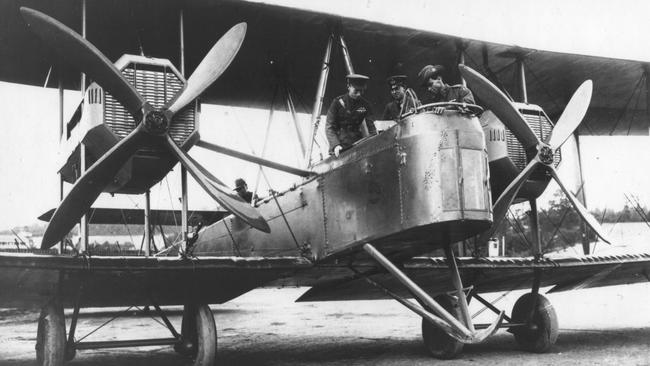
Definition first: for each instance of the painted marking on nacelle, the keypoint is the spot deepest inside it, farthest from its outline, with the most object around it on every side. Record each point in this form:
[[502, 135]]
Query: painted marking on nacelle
[[496, 134], [496, 144]]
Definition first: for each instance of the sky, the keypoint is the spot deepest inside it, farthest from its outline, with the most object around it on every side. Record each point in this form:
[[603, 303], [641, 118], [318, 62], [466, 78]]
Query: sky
[[612, 166]]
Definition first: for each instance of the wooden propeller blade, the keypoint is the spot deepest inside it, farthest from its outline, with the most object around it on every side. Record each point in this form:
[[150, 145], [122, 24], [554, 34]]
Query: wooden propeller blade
[[217, 190], [571, 116], [582, 211], [86, 57], [494, 100], [213, 65], [501, 206], [89, 186]]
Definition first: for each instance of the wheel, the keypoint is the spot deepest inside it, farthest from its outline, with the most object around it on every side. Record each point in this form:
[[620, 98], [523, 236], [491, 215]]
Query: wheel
[[542, 329], [199, 335], [187, 345], [438, 343], [50, 336], [206, 352]]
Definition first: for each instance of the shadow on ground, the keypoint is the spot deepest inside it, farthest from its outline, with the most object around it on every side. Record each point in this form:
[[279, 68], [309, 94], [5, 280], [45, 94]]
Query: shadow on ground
[[573, 346]]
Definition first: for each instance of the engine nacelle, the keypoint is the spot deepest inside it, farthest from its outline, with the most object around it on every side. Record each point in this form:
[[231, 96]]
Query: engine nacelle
[[101, 121], [508, 157]]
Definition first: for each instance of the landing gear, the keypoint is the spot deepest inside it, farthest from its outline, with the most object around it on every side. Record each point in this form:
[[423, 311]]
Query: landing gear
[[187, 345], [198, 335], [446, 323], [438, 342], [198, 339], [50, 337], [541, 329]]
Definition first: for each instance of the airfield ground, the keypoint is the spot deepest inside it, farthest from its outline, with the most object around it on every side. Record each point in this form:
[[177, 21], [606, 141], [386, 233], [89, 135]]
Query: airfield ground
[[604, 326]]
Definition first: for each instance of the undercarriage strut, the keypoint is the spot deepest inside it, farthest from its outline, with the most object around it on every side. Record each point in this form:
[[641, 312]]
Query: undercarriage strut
[[462, 330]]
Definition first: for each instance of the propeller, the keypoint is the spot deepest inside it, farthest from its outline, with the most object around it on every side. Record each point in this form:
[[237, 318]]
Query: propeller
[[89, 186], [215, 62], [152, 129], [494, 100], [82, 54], [573, 114], [217, 190]]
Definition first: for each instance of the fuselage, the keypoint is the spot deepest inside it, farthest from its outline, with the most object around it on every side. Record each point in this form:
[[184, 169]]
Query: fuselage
[[417, 186]]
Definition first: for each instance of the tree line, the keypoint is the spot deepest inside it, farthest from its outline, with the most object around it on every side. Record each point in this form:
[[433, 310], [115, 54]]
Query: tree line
[[560, 226]]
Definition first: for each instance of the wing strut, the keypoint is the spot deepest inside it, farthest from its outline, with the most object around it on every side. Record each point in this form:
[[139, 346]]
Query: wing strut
[[254, 159], [320, 94]]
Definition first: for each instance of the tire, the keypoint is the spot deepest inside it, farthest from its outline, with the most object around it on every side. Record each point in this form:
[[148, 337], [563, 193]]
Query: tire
[[542, 333], [437, 341], [50, 336], [206, 330], [199, 335]]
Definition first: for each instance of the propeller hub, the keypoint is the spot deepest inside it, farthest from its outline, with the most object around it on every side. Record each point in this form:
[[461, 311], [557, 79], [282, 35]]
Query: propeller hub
[[546, 155], [156, 123]]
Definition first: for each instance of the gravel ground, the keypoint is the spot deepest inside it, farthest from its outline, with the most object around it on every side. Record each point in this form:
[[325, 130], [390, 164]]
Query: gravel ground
[[602, 326]]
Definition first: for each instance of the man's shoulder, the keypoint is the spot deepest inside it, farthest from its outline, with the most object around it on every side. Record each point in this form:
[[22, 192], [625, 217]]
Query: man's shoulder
[[341, 100], [364, 101], [248, 195], [459, 90], [338, 99], [338, 103], [458, 87]]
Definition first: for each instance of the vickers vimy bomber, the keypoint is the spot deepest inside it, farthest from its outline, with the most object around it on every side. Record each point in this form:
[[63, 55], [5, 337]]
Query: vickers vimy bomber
[[360, 225]]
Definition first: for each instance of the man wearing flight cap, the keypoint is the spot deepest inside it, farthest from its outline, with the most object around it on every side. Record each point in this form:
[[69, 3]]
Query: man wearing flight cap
[[242, 190], [430, 78], [346, 114], [400, 103]]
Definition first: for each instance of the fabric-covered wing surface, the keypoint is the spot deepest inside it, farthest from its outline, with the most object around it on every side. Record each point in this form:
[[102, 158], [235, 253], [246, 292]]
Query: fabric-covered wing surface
[[29, 280], [492, 275], [287, 45]]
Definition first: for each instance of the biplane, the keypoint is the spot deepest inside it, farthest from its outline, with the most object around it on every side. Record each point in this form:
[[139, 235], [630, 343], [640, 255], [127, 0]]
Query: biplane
[[354, 227]]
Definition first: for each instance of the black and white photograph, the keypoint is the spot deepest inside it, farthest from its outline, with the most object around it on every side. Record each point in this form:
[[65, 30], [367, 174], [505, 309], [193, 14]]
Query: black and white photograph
[[324, 182]]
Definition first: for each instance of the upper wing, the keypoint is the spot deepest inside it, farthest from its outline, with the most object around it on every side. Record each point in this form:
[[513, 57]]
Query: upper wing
[[284, 42]]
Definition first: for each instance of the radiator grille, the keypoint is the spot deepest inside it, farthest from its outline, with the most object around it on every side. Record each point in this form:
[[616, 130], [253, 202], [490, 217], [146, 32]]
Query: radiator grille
[[542, 127], [157, 84]]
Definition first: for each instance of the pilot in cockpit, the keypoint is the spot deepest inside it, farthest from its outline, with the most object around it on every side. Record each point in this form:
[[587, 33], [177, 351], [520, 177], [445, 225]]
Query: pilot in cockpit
[[439, 91], [347, 114], [404, 99]]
